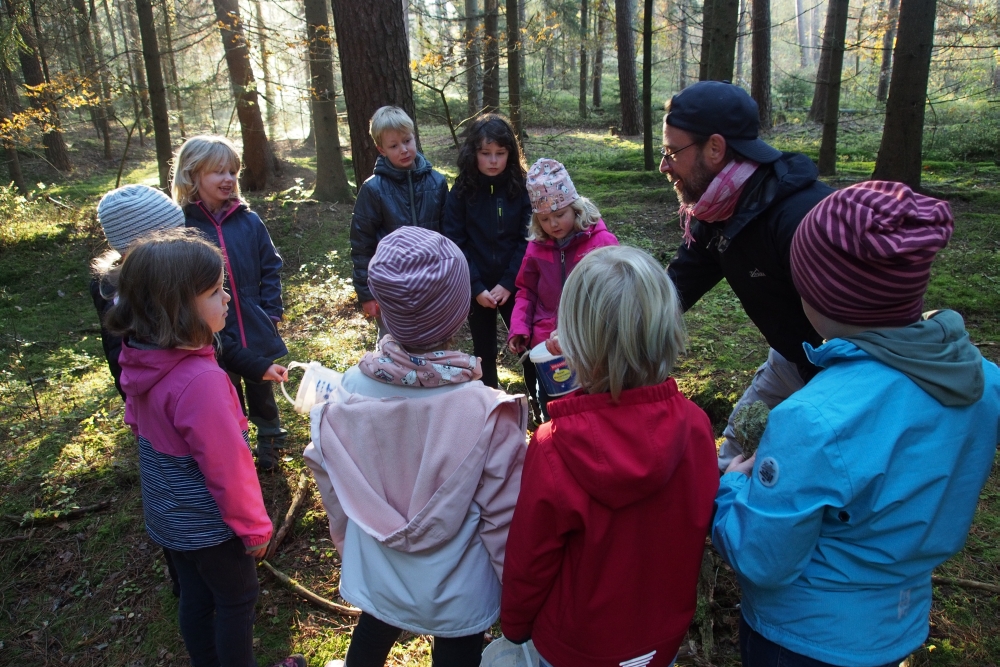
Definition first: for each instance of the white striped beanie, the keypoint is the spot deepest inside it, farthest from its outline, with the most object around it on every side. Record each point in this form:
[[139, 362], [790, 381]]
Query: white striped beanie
[[863, 255], [132, 211], [420, 280]]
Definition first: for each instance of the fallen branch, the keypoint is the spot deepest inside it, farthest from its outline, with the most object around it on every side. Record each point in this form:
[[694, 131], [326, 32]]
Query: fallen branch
[[293, 509], [309, 595], [17, 538], [52, 200], [965, 583], [55, 517]]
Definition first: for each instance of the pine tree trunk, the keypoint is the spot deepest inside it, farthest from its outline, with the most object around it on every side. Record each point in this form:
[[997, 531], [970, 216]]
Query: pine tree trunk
[[130, 39], [885, 68], [514, 67], [899, 154], [260, 166], [550, 53], [473, 68], [647, 85], [491, 61], [265, 66], [685, 39], [331, 179], [741, 43], [157, 91], [168, 19], [102, 70], [627, 83], [800, 26], [602, 23], [13, 161], [583, 59], [91, 68], [831, 115], [817, 112], [31, 69], [760, 64], [718, 41], [374, 68]]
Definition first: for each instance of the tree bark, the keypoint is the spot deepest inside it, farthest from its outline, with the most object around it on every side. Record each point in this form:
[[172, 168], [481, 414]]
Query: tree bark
[[831, 116], [331, 179], [885, 68], [627, 84], [260, 166], [31, 69], [741, 40], [135, 55], [760, 64], [602, 23], [902, 137], [718, 41], [265, 66], [91, 68], [685, 39], [583, 58], [491, 61], [157, 91], [473, 67], [647, 85], [375, 69], [550, 52], [168, 19], [817, 112], [102, 74], [13, 161], [514, 67], [802, 33]]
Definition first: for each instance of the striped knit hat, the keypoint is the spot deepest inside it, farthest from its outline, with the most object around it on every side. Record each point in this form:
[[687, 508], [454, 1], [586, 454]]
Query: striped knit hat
[[863, 255], [420, 280], [132, 211]]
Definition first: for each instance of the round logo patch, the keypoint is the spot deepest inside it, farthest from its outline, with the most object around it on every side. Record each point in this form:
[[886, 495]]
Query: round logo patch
[[767, 472], [562, 375]]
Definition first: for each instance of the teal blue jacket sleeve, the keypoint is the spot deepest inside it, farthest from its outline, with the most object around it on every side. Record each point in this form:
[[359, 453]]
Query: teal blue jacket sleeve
[[767, 526]]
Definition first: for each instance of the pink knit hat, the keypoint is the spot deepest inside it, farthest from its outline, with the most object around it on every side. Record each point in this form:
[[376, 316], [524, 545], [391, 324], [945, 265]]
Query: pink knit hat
[[420, 280], [863, 255], [549, 186]]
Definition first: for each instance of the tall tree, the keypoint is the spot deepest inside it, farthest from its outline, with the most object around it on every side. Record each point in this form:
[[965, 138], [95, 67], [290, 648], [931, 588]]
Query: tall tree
[[602, 26], [760, 64], [168, 20], [885, 67], [718, 39], [685, 38], [265, 66], [514, 66], [647, 85], [31, 69], [157, 91], [817, 112], [831, 117], [627, 83], [491, 61], [902, 137], [331, 179], [473, 68], [374, 68], [260, 166], [92, 70], [802, 32], [12, 160], [135, 56], [583, 58]]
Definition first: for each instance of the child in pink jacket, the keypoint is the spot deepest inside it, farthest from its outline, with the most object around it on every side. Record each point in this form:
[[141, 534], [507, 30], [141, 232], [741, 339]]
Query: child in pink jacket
[[564, 228]]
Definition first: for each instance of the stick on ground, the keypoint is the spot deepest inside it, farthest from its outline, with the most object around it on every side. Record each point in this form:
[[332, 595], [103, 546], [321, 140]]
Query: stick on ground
[[965, 583], [309, 595], [297, 500], [46, 519]]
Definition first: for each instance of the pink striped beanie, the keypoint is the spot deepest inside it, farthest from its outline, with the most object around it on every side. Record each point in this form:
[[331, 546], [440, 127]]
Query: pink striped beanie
[[420, 280], [863, 255]]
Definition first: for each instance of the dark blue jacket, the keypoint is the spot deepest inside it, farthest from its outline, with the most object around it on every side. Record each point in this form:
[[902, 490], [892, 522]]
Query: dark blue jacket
[[751, 250], [250, 341], [392, 198], [492, 231]]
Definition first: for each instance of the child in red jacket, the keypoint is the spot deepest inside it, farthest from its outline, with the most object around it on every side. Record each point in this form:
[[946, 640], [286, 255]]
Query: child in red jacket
[[617, 490]]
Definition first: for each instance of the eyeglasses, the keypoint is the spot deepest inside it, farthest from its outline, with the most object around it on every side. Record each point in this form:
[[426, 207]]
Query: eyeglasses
[[669, 156]]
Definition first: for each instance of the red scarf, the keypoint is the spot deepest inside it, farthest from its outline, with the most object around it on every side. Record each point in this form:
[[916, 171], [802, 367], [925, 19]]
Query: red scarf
[[720, 199]]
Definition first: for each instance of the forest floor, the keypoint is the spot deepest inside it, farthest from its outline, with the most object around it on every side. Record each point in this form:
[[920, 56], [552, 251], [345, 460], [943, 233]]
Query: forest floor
[[92, 590]]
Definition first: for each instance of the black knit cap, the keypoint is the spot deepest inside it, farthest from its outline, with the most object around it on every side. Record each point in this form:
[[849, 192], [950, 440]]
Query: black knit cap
[[719, 107]]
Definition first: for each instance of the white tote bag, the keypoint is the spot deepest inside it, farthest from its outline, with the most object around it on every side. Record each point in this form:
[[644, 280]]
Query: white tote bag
[[317, 384], [504, 653]]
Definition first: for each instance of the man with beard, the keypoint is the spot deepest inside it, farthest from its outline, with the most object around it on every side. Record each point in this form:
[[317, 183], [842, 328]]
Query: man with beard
[[741, 201]]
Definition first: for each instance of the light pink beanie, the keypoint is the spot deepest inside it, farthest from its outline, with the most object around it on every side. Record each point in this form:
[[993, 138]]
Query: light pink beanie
[[549, 186]]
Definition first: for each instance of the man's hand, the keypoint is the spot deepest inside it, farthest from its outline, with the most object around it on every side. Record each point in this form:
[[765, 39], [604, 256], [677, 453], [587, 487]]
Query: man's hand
[[486, 300], [275, 373], [517, 344], [370, 308], [739, 464], [500, 294]]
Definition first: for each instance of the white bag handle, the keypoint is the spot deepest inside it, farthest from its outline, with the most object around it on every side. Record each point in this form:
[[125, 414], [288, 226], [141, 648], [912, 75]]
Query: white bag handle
[[290, 366], [527, 655]]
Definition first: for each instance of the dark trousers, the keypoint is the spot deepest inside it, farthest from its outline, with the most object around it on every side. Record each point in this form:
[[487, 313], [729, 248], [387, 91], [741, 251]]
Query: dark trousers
[[483, 326], [259, 406], [758, 651], [216, 612], [372, 640]]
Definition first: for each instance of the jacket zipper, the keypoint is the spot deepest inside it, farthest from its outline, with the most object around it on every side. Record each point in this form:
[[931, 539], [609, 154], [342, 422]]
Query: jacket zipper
[[229, 268], [413, 199], [562, 261], [493, 246]]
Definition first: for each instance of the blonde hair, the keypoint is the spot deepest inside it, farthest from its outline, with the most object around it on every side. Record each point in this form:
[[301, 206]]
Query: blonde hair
[[389, 118], [587, 216], [199, 154], [620, 321]]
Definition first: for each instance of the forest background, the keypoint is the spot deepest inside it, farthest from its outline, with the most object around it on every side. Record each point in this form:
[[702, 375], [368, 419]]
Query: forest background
[[96, 93]]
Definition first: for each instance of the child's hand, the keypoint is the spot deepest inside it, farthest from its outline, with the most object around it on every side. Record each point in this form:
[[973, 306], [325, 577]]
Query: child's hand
[[517, 344], [370, 308], [552, 344], [259, 552], [739, 464], [500, 294], [275, 373], [486, 300]]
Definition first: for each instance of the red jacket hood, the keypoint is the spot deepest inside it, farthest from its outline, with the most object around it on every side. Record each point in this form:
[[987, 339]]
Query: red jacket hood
[[614, 475], [143, 369]]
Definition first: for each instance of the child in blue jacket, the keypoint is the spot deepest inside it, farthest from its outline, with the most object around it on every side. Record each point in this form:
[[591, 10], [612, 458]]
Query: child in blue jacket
[[868, 477], [206, 186]]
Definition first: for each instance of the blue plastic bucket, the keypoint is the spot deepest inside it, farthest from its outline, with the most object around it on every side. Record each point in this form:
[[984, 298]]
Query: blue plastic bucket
[[553, 372]]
